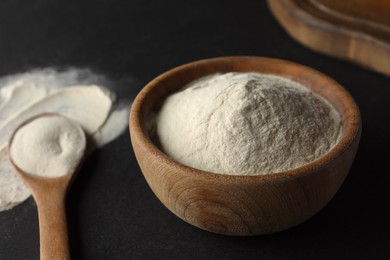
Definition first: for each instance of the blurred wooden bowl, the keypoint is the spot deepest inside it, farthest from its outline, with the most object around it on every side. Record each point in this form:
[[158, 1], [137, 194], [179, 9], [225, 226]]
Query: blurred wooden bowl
[[243, 205]]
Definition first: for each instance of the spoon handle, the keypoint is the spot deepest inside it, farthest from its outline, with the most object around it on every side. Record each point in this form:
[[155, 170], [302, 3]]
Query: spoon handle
[[53, 231]]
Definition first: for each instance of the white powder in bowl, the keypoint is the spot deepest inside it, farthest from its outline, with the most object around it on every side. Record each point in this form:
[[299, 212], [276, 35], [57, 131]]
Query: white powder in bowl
[[48, 146], [246, 124]]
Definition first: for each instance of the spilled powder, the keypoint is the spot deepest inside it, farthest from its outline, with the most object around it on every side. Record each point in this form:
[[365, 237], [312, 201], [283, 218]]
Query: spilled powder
[[246, 124], [48, 146], [81, 95]]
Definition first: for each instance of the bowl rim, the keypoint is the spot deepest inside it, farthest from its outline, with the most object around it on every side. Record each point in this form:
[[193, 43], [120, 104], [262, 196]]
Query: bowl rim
[[351, 132]]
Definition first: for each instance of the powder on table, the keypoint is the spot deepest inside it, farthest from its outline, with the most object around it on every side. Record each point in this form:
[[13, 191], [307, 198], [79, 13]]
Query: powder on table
[[48, 146], [71, 93], [246, 124]]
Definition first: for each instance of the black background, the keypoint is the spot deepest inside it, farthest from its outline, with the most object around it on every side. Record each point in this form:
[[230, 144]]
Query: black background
[[112, 212]]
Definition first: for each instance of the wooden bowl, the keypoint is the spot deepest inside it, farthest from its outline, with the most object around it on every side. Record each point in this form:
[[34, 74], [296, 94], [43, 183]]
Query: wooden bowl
[[243, 205]]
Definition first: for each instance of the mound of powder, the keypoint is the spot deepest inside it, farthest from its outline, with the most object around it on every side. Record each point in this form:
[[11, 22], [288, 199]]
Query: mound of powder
[[87, 98], [49, 146], [246, 124]]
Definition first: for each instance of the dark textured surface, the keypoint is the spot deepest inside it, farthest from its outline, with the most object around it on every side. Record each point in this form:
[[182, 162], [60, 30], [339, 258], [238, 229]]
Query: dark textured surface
[[112, 212]]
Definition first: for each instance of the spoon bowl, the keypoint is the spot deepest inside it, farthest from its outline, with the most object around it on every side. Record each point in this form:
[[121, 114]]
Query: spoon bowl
[[50, 194]]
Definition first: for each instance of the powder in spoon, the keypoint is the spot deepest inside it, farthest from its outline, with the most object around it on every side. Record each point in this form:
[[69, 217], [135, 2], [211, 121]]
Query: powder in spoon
[[48, 146], [81, 95], [246, 124]]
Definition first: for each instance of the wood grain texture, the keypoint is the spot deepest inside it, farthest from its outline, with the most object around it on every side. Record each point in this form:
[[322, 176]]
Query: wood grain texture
[[356, 30], [50, 197], [243, 205], [376, 11]]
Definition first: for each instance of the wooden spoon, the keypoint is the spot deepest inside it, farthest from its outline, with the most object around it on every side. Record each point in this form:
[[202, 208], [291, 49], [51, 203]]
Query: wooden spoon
[[50, 196]]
